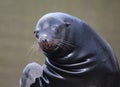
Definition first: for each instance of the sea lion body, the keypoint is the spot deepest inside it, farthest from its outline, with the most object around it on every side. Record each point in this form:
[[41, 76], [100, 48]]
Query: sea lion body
[[77, 56]]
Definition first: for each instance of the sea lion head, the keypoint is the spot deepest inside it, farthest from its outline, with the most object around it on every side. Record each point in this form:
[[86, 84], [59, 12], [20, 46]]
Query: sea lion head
[[53, 35]]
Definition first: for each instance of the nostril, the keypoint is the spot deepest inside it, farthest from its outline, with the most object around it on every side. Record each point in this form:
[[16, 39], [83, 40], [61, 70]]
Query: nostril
[[44, 40], [43, 37]]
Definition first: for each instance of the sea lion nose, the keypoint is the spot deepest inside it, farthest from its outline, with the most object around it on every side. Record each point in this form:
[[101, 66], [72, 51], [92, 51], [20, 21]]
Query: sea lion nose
[[43, 38]]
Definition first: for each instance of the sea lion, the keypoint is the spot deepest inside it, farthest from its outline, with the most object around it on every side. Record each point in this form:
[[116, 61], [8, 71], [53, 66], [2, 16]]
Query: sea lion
[[77, 56]]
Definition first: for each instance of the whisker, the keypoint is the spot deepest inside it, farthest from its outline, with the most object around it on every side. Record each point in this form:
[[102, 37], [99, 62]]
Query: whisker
[[65, 47], [33, 49], [55, 44], [65, 42]]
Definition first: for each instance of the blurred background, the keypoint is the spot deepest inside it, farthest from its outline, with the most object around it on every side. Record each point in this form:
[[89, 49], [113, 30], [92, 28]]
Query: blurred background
[[17, 23]]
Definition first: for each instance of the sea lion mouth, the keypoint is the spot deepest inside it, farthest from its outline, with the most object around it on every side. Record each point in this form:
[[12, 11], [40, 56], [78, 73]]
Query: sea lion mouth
[[55, 45], [48, 46]]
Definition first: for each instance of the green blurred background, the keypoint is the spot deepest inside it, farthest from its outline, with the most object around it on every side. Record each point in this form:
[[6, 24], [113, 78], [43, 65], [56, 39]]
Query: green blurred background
[[18, 19]]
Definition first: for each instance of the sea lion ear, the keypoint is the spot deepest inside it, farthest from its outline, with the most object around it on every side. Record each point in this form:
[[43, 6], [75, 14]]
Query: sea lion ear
[[67, 24]]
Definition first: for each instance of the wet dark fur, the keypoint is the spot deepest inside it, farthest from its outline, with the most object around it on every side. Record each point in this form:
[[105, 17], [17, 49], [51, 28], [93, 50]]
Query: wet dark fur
[[77, 56]]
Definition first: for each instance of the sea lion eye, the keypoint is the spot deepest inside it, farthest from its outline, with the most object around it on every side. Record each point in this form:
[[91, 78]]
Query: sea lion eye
[[67, 24]]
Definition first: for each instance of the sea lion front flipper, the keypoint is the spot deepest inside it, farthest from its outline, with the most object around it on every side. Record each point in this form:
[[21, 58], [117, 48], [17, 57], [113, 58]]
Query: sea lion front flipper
[[31, 74]]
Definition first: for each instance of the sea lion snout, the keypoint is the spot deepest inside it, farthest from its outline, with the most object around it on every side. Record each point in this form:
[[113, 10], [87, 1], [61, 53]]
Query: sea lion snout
[[43, 38], [46, 43]]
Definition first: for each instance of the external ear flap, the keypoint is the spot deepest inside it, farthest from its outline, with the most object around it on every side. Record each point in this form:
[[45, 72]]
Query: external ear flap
[[67, 24]]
